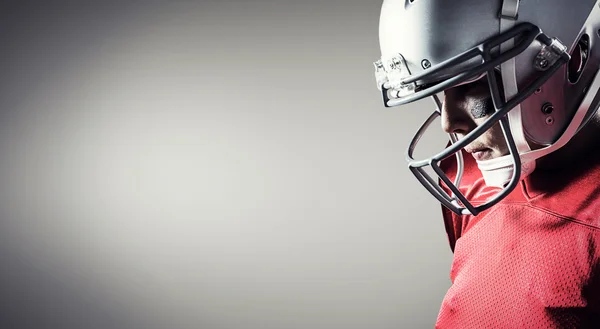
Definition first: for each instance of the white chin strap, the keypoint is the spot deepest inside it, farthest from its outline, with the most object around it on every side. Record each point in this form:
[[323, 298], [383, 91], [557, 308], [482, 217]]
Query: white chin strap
[[498, 172]]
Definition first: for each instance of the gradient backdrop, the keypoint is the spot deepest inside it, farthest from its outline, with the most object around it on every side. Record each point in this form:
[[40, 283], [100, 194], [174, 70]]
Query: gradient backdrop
[[211, 165]]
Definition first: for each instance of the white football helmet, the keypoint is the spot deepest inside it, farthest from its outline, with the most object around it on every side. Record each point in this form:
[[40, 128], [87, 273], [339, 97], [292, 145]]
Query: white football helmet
[[428, 46]]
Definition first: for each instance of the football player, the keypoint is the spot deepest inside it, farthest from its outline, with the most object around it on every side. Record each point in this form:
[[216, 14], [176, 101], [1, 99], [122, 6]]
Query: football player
[[519, 180]]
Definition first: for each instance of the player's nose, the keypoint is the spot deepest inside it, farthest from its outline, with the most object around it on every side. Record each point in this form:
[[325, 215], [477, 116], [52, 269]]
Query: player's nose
[[455, 117]]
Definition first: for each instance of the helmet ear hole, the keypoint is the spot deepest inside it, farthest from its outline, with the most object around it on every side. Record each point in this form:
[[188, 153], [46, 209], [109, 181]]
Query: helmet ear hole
[[579, 56]]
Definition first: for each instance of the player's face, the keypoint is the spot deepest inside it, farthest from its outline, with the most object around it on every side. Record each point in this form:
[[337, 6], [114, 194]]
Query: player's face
[[465, 108]]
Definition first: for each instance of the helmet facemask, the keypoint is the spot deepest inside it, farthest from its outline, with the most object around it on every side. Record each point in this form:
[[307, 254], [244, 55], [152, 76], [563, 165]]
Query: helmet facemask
[[399, 86]]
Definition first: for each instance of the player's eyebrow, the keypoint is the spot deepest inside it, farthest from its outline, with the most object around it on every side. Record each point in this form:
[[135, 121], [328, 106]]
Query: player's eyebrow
[[482, 107]]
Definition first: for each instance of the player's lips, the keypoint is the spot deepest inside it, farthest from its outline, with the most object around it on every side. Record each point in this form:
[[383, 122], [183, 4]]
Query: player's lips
[[480, 154]]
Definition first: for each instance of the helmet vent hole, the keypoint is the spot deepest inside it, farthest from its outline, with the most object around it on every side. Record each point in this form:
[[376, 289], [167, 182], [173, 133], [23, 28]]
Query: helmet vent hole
[[547, 108], [579, 57]]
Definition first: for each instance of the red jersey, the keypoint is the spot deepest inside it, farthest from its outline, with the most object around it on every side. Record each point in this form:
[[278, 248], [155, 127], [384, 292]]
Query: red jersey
[[532, 260]]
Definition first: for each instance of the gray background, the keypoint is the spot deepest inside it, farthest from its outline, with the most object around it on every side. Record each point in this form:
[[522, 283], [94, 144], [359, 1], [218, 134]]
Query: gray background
[[209, 164]]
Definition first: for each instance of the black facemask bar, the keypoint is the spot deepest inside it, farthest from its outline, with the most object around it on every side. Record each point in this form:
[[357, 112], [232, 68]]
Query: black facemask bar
[[555, 56]]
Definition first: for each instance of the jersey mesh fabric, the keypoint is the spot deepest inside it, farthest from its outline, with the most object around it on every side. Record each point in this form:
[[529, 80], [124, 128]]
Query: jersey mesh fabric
[[531, 261]]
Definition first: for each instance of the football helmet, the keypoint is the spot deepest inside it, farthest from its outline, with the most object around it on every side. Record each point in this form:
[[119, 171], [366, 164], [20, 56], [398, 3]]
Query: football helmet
[[428, 46]]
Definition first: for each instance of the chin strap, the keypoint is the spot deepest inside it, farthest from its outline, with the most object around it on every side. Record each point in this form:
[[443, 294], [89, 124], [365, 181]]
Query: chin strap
[[498, 172]]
